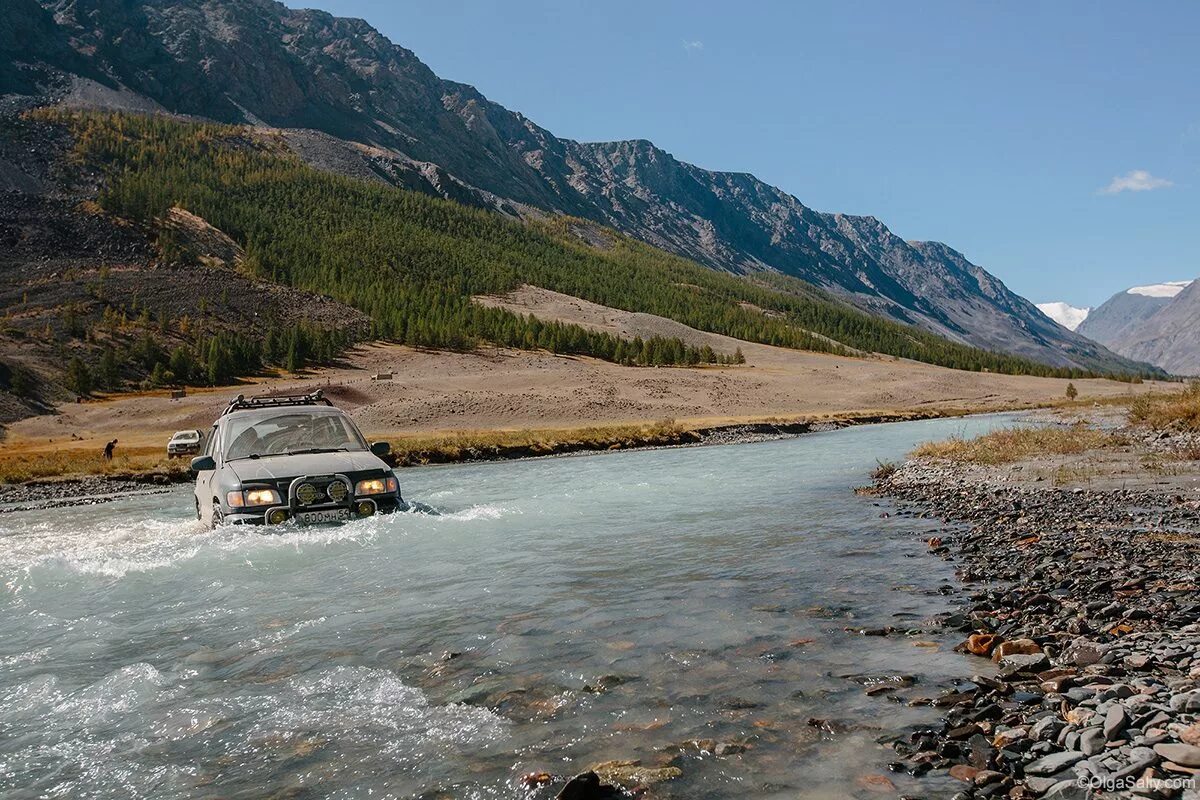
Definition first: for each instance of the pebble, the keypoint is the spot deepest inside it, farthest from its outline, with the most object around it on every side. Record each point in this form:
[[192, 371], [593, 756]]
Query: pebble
[[1053, 764], [1185, 755], [1093, 623]]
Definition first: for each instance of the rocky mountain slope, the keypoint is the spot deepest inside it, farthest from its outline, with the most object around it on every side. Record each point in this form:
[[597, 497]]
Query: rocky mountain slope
[[1065, 314], [380, 111], [77, 284], [1158, 323]]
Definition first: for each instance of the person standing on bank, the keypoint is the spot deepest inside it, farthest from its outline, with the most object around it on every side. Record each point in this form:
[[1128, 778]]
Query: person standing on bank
[[108, 450]]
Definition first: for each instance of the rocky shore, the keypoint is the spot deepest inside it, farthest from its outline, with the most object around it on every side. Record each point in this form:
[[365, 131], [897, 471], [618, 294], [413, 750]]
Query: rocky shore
[[1083, 608], [90, 490]]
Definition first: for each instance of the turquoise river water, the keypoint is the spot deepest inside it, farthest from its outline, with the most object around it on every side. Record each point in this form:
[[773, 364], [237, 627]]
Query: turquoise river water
[[545, 615]]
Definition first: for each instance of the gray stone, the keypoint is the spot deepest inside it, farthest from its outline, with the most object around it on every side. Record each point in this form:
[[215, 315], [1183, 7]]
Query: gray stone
[[1045, 728], [1053, 763], [1067, 790], [1185, 755], [1025, 662], [1040, 785], [1091, 741], [1115, 722]]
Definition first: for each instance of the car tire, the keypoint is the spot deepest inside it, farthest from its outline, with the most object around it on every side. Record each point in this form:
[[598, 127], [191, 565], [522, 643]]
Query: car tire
[[218, 516], [199, 516]]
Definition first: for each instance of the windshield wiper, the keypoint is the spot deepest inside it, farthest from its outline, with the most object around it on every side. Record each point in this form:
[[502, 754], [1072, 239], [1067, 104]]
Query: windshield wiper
[[239, 458], [318, 450]]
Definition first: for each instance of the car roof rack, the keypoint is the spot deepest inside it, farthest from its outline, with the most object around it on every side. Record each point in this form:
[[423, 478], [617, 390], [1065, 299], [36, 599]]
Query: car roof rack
[[242, 403]]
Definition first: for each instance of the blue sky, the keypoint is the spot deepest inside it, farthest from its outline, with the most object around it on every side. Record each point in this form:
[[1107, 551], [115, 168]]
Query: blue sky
[[1057, 145]]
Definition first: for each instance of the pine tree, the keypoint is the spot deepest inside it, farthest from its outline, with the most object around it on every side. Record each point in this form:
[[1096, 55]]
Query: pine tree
[[182, 364], [108, 372], [79, 377]]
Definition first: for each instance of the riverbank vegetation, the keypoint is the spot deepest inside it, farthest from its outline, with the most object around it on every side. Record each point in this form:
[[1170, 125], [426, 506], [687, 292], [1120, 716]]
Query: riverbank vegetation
[[137, 464], [414, 262], [1178, 411], [495, 445], [1009, 445]]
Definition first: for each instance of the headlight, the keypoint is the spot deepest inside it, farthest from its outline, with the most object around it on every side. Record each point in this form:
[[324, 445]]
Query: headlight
[[377, 486], [252, 497]]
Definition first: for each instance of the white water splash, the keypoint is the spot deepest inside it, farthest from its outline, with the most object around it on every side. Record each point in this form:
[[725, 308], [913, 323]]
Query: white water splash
[[373, 706], [488, 511]]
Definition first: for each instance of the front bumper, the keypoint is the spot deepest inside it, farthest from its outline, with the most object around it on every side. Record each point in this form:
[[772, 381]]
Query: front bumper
[[382, 505], [353, 507]]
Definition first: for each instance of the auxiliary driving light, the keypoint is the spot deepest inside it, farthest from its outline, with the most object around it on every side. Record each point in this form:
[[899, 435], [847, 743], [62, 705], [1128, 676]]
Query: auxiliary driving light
[[277, 517], [366, 508], [306, 493], [337, 491]]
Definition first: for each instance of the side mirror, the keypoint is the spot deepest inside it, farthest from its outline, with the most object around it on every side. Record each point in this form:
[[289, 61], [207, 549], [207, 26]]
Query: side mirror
[[381, 449], [203, 464]]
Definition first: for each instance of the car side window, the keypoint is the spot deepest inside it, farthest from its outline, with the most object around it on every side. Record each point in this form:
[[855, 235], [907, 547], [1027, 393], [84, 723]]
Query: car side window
[[210, 442]]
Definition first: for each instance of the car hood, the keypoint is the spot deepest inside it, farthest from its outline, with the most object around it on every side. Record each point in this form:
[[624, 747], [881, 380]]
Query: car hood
[[273, 468]]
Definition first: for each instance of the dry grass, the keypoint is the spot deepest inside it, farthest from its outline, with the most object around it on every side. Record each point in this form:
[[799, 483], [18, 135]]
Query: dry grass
[[467, 445], [1009, 445], [883, 470], [1170, 537], [1175, 411], [20, 467]]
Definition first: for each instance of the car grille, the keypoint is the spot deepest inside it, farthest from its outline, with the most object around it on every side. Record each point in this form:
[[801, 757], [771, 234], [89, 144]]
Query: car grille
[[321, 491]]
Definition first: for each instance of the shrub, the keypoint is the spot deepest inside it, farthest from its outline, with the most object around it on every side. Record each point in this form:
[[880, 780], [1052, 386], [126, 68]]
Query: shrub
[[1007, 445], [1176, 411], [883, 470]]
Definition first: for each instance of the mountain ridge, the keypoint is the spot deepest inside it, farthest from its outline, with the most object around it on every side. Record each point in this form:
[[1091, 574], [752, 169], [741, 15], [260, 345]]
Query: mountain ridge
[[1156, 323], [258, 62]]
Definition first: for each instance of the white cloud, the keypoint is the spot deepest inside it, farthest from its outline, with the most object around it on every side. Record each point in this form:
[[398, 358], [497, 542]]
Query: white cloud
[[1137, 180], [693, 45]]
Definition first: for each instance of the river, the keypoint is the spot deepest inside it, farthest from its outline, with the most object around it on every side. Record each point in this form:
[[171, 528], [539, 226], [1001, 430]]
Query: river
[[551, 614]]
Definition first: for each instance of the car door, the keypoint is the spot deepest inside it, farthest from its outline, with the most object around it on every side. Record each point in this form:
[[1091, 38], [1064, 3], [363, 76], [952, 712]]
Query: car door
[[204, 478]]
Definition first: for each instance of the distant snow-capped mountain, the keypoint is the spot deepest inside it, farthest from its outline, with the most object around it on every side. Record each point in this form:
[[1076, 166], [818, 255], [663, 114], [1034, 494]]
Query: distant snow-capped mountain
[[1168, 289], [1159, 323], [1065, 314]]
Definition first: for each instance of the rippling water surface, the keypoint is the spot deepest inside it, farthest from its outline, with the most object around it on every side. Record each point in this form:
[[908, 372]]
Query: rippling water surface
[[554, 614]]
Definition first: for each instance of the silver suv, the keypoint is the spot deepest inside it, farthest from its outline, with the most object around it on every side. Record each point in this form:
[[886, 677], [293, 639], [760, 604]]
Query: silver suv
[[272, 460], [184, 443]]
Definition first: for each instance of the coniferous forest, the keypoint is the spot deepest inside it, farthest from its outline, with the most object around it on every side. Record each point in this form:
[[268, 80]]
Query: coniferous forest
[[413, 262]]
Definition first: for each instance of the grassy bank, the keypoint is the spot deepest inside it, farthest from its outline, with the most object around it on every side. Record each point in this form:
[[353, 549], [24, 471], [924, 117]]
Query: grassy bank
[[150, 464], [1009, 445], [462, 446], [142, 464], [457, 446], [1178, 411]]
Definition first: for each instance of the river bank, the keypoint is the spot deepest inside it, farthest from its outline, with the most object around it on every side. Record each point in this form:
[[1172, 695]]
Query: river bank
[[1083, 577], [433, 404], [76, 484]]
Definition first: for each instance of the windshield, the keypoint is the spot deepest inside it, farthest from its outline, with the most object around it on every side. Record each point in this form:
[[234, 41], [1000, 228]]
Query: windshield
[[187, 436], [291, 432]]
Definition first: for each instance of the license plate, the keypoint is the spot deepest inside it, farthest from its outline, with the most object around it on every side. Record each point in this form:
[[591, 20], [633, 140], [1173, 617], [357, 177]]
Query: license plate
[[326, 515]]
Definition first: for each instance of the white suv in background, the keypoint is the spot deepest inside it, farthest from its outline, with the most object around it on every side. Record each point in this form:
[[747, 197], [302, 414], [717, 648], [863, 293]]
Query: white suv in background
[[184, 443]]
